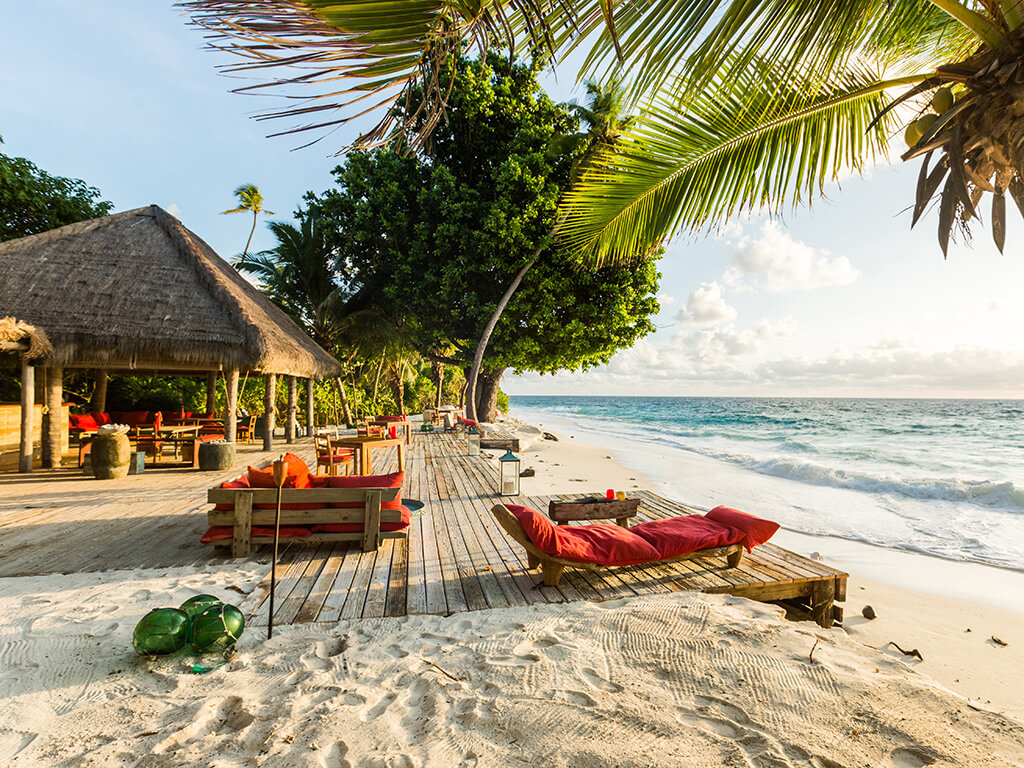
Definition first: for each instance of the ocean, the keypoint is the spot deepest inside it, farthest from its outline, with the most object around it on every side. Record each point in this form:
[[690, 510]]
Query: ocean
[[941, 477]]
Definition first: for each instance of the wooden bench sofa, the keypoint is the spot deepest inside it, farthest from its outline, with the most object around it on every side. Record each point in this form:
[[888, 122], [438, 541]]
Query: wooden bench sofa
[[365, 509]]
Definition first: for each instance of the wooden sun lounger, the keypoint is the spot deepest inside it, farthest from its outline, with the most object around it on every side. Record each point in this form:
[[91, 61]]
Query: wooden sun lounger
[[552, 567]]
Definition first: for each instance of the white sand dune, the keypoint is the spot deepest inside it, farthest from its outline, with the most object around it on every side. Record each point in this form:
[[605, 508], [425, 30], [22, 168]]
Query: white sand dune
[[678, 680]]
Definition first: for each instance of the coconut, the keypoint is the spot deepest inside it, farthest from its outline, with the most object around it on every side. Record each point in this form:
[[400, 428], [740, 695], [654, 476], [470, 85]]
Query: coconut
[[942, 101]]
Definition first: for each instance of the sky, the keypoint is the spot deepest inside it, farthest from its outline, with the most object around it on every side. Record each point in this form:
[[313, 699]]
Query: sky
[[838, 299]]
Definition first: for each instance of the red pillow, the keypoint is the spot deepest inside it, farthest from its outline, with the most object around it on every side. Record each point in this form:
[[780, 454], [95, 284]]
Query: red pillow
[[603, 544], [83, 421], [537, 527], [687, 533], [390, 418], [296, 474], [755, 530]]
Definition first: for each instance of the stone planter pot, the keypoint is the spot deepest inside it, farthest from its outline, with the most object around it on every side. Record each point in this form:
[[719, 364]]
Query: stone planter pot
[[216, 456], [111, 456]]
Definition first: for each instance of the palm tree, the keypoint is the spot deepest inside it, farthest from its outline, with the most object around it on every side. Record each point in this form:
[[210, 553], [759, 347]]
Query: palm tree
[[742, 105], [249, 199]]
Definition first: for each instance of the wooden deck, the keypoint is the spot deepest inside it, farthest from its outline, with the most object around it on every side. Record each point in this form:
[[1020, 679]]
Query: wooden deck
[[455, 558]]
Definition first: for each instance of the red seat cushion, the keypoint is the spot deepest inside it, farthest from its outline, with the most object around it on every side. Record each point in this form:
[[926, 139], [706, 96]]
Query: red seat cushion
[[755, 530], [84, 421], [603, 544], [391, 480], [537, 527], [226, 532], [681, 535], [390, 418]]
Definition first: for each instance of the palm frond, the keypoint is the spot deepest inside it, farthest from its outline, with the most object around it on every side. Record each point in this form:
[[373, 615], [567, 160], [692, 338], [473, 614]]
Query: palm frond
[[750, 139]]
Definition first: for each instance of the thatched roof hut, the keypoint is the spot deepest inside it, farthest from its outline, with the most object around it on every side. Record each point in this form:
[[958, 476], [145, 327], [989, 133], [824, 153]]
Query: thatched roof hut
[[139, 291], [31, 342]]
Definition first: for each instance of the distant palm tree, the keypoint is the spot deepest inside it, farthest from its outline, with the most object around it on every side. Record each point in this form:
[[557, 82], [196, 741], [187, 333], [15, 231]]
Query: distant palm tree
[[249, 199]]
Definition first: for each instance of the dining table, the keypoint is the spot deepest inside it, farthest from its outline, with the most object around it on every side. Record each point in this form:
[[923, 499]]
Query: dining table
[[364, 446], [405, 426]]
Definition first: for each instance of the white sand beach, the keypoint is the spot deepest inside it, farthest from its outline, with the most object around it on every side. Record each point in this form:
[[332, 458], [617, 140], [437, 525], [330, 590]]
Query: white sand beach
[[676, 680]]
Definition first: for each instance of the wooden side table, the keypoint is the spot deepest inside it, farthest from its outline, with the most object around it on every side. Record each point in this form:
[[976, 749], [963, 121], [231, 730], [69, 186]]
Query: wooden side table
[[363, 447]]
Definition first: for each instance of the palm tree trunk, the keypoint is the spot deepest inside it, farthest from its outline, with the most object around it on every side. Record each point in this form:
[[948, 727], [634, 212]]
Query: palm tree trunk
[[339, 386], [485, 337], [376, 379], [251, 231], [438, 370]]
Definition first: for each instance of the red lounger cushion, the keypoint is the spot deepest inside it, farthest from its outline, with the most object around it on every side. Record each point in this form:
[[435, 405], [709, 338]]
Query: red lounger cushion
[[226, 532], [601, 544], [539, 529], [755, 530], [681, 535]]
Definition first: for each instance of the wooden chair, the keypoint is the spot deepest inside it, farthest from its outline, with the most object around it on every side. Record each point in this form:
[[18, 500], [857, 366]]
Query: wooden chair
[[246, 429], [330, 457], [146, 440]]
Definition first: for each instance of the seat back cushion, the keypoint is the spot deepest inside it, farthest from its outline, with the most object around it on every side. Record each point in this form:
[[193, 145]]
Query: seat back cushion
[[83, 421], [537, 528], [755, 530], [677, 536], [603, 544], [101, 418], [391, 480]]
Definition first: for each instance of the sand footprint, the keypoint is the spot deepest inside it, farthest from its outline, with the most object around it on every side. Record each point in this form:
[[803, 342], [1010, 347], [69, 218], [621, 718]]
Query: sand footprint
[[396, 651], [910, 758], [379, 708], [579, 698], [594, 680], [334, 756]]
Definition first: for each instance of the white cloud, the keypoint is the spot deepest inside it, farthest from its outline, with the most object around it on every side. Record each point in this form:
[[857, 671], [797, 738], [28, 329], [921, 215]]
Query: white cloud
[[714, 346], [706, 306], [665, 300], [780, 263]]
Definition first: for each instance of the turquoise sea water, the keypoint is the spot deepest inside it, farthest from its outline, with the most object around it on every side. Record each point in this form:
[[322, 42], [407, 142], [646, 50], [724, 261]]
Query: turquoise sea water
[[945, 477]]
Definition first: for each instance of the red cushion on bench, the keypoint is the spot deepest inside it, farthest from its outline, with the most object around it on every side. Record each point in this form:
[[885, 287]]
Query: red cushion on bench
[[681, 535], [537, 527], [358, 527], [391, 480], [226, 532], [755, 530], [297, 474], [82, 421], [603, 544]]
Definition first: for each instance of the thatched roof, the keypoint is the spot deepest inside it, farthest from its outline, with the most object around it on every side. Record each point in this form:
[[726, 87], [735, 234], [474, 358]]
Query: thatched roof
[[17, 336], [137, 290]]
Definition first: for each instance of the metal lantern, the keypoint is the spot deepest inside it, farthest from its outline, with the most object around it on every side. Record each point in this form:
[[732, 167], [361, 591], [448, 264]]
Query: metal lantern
[[472, 442], [509, 475]]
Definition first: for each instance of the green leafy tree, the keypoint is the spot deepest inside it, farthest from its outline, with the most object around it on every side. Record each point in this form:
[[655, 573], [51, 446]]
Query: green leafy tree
[[32, 201], [439, 238], [249, 200], [742, 105]]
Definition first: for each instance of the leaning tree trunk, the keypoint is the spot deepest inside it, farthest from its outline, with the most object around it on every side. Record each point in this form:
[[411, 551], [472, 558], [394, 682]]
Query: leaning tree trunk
[[485, 337], [437, 371], [487, 394], [339, 387]]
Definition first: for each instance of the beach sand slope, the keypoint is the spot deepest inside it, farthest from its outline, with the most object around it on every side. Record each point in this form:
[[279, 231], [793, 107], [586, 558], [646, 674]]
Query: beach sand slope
[[676, 680]]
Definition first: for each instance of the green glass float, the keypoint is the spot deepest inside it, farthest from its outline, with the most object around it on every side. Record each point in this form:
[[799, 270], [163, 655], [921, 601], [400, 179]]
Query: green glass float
[[161, 631], [199, 603], [215, 629]]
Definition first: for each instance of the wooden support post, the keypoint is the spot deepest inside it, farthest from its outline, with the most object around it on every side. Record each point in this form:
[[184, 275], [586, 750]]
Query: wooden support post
[[310, 428], [822, 602], [269, 392], [211, 392], [98, 403], [231, 407], [532, 561], [53, 421], [552, 573], [371, 522], [241, 537], [293, 410], [28, 404]]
